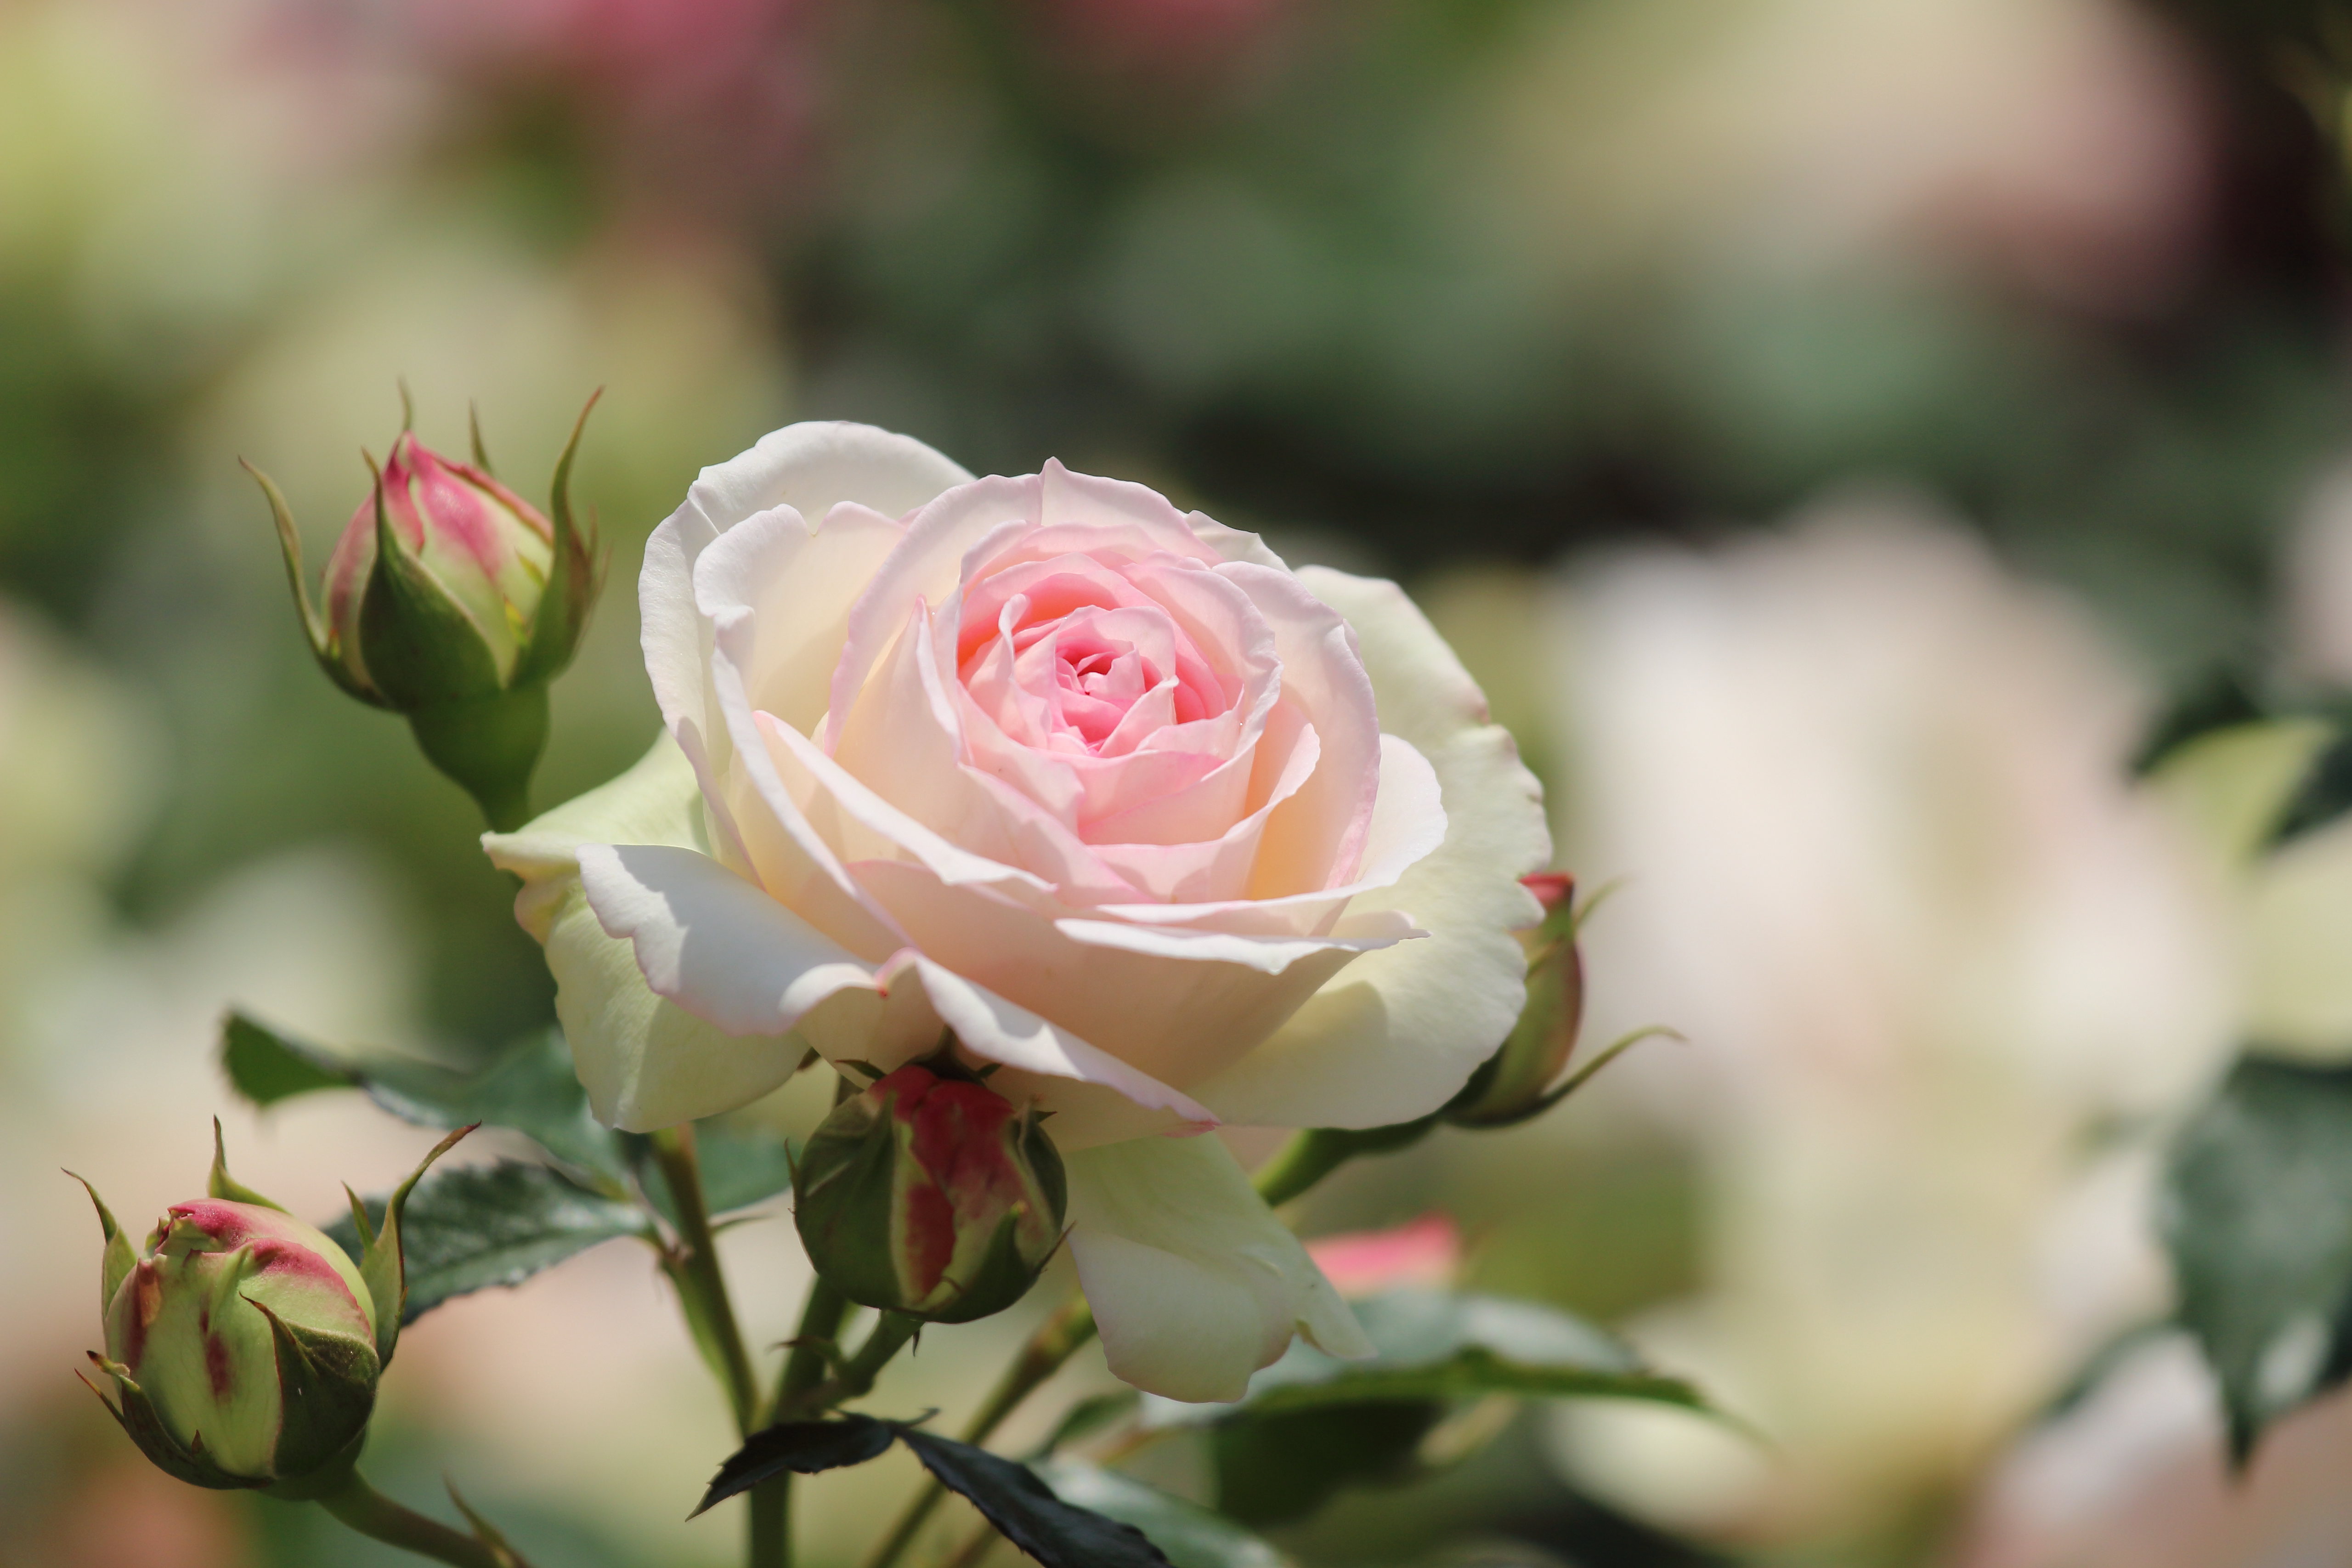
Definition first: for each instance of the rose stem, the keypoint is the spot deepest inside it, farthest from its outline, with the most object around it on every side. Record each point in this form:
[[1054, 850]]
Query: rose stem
[[695, 1268], [376, 1516]]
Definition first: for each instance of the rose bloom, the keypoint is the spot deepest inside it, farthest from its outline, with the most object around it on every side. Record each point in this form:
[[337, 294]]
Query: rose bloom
[[1176, 836]]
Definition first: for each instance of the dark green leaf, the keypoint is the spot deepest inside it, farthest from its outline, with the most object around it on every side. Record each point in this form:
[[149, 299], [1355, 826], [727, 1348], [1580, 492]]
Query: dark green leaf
[[266, 1066], [2324, 795], [475, 1227], [530, 1088], [802, 1448], [1275, 1468], [1025, 1512], [1190, 1535], [2223, 699], [2259, 1223]]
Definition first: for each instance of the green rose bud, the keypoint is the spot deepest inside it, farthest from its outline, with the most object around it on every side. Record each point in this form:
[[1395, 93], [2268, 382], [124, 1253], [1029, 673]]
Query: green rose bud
[[930, 1194], [1516, 1081], [244, 1345], [454, 600]]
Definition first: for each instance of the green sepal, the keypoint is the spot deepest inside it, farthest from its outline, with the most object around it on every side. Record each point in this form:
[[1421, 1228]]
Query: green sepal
[[221, 1185], [474, 430], [842, 1194], [420, 649], [326, 1391], [381, 1267], [314, 626], [1002, 1278], [573, 576], [489, 747], [120, 1256], [501, 1551], [136, 1416]]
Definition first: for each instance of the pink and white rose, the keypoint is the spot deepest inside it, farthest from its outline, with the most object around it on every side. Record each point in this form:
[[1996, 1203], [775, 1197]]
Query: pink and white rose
[[1176, 836]]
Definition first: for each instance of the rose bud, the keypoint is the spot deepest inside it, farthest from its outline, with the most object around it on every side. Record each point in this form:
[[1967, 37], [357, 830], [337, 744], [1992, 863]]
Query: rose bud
[[244, 1344], [454, 600], [1516, 1083], [929, 1193]]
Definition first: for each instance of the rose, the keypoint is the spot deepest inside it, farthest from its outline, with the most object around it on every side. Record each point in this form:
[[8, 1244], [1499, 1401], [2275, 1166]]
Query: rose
[[1175, 834]]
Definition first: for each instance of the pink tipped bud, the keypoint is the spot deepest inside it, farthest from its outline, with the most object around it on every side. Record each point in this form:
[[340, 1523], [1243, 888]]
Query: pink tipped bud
[[1515, 1082], [1555, 891], [242, 1343], [454, 600], [489, 551], [931, 1194]]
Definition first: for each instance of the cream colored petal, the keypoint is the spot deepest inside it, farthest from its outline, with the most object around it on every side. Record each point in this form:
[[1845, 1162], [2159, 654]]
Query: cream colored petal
[[645, 1062], [1193, 1281]]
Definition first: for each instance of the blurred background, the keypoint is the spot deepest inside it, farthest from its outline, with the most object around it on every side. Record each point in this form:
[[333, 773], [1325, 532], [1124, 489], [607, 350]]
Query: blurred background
[[1834, 431]]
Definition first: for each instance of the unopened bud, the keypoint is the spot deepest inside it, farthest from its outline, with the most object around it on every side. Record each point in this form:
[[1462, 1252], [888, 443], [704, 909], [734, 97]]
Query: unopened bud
[[451, 599], [244, 1345], [1515, 1081], [249, 1340], [929, 1193]]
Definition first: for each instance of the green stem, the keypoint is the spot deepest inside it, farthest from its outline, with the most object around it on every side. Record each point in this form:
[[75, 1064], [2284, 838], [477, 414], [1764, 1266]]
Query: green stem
[[377, 1517], [805, 1367], [695, 1268], [1315, 1152], [694, 1264], [1055, 1341], [812, 1344]]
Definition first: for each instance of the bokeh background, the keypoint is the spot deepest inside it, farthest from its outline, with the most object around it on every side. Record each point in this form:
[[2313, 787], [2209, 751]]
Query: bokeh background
[[1834, 431]]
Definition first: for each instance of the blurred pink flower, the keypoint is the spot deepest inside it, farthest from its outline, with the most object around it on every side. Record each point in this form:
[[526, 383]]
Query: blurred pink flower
[[1425, 1251]]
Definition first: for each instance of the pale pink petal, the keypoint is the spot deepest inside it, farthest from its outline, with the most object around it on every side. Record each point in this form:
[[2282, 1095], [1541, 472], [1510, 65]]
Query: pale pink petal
[[1177, 1014], [1425, 1252], [992, 1028], [1408, 824], [926, 566], [711, 941], [1315, 839], [1400, 1030]]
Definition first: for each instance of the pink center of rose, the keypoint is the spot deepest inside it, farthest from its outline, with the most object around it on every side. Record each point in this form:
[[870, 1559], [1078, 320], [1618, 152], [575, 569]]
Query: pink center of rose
[[1069, 657]]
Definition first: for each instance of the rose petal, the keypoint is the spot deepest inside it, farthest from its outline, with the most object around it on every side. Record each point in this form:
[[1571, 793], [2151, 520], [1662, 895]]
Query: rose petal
[[645, 1062], [989, 1027], [1398, 1031], [1193, 1281], [711, 941]]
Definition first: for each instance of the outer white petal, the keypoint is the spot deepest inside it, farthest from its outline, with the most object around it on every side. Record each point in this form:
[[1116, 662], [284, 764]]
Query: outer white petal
[[645, 1062], [1194, 1282], [1396, 1032], [816, 465], [809, 468], [711, 941]]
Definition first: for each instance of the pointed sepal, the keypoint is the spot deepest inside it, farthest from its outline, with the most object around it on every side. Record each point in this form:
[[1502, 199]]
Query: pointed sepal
[[121, 1258], [501, 1551], [223, 1185], [326, 1392], [574, 575], [314, 626], [135, 1414], [382, 1264]]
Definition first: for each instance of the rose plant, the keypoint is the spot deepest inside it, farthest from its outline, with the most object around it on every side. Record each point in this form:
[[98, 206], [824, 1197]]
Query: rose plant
[[1068, 827], [1176, 836]]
